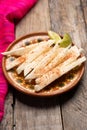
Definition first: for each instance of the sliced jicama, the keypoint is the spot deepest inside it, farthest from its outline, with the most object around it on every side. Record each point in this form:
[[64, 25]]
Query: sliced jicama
[[55, 73], [40, 69], [20, 51], [45, 61], [20, 68], [56, 61], [15, 62], [33, 64], [35, 53], [70, 56], [73, 52]]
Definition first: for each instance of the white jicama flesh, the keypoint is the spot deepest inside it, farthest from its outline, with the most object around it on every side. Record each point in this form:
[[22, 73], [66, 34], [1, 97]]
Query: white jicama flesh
[[55, 73], [56, 61], [33, 64], [15, 62], [35, 53], [61, 55], [22, 50], [72, 54], [44, 62], [20, 68]]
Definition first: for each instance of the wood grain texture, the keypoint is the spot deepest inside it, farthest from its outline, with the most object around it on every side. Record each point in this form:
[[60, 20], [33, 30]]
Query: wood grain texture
[[64, 112], [34, 113], [7, 122], [71, 18], [36, 20], [84, 6]]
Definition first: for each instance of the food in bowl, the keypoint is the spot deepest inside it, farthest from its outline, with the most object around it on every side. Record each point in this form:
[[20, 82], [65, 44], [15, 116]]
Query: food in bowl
[[42, 63]]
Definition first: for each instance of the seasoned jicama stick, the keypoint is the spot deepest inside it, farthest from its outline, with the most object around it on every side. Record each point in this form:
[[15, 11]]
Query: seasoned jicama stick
[[70, 54], [33, 64], [22, 50], [43, 68], [20, 60], [20, 68], [50, 55], [60, 58], [35, 53], [55, 73], [16, 62]]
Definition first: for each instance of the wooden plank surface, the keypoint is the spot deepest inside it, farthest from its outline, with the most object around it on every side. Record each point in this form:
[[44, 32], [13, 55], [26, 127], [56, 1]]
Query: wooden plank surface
[[7, 122], [33, 113], [70, 17], [64, 112]]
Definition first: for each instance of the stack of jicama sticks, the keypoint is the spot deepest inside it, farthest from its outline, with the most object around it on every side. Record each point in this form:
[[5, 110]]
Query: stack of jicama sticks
[[44, 62]]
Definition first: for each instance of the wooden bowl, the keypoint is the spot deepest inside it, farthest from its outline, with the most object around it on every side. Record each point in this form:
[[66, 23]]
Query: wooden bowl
[[63, 84]]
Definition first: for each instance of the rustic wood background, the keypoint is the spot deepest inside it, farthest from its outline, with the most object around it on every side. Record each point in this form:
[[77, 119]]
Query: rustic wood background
[[64, 112]]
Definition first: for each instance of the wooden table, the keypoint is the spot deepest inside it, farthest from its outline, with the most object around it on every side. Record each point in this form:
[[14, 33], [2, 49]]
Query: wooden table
[[64, 112]]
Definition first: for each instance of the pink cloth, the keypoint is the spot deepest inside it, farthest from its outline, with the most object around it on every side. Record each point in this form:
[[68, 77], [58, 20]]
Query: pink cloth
[[10, 11]]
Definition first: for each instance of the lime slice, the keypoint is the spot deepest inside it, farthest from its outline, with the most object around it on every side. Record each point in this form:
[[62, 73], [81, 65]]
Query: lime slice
[[54, 36], [66, 41]]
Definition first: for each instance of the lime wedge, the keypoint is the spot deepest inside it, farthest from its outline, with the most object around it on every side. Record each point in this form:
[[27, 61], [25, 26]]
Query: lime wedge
[[54, 36], [66, 41]]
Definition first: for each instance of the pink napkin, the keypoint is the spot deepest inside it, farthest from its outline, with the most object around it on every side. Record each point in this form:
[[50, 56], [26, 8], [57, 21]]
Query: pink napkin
[[10, 11]]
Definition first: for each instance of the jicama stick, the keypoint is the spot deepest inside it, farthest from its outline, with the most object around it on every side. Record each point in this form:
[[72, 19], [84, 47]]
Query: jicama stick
[[20, 60], [40, 69], [57, 72], [20, 68], [22, 50], [70, 54], [35, 53], [16, 62], [33, 64], [45, 61]]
